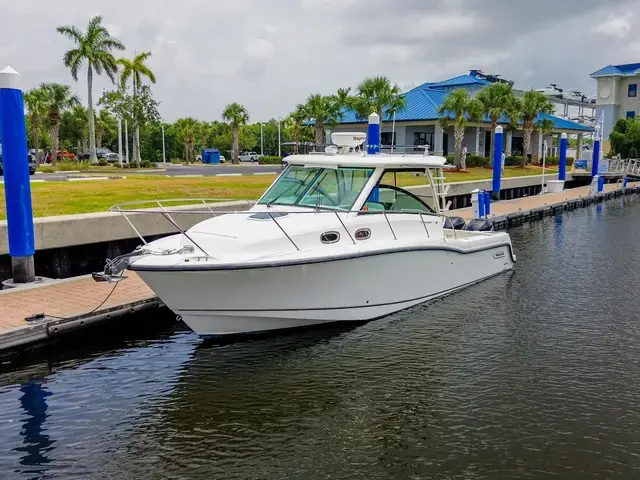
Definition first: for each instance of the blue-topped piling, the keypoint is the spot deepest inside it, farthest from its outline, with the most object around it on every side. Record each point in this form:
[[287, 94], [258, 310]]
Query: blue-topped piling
[[596, 155], [562, 171], [17, 186], [373, 134], [497, 163]]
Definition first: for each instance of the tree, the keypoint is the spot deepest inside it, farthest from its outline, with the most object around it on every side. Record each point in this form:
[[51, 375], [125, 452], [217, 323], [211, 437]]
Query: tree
[[141, 109], [58, 98], [74, 130], [322, 110], [35, 102], [378, 94], [136, 69], [457, 109], [237, 116], [343, 97], [188, 128], [625, 138], [531, 107], [497, 100], [295, 122], [105, 124], [94, 47]]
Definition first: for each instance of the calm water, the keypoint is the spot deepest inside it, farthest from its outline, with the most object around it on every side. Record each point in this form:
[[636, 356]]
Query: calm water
[[533, 374]]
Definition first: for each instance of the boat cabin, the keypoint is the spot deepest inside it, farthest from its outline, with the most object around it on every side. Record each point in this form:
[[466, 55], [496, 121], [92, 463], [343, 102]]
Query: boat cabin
[[353, 182]]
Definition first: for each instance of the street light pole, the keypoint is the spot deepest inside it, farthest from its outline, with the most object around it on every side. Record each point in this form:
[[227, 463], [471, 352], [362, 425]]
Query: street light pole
[[164, 157], [261, 140], [119, 127], [126, 142]]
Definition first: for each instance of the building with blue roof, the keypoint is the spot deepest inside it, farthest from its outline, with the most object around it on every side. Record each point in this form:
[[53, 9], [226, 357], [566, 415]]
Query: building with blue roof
[[616, 95], [419, 123]]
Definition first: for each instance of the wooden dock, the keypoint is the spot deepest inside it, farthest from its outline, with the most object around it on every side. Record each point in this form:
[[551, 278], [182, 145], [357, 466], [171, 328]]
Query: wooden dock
[[40, 312]]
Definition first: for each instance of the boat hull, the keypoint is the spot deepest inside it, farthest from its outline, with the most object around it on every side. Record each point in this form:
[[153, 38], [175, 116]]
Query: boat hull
[[220, 302]]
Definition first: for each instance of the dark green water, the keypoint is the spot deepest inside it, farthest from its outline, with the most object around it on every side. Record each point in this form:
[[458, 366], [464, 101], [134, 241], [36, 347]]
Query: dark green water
[[534, 374]]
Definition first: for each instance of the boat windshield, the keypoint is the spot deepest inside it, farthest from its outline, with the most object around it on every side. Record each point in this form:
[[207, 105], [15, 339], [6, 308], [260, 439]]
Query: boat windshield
[[318, 187]]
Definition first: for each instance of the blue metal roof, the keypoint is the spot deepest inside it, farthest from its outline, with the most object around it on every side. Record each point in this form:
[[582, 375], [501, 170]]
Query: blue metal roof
[[458, 81], [609, 70], [422, 104]]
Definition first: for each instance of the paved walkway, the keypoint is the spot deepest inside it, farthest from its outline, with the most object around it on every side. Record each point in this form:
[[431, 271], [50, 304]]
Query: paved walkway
[[506, 207], [67, 298]]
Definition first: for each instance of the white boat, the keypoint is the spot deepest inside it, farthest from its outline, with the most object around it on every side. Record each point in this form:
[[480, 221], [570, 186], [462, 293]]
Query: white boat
[[332, 240]]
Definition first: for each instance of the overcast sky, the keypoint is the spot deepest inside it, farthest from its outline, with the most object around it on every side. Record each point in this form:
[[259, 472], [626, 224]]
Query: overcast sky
[[270, 55]]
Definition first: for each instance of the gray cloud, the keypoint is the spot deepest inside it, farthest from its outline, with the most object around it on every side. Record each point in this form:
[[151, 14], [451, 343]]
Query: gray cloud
[[272, 55]]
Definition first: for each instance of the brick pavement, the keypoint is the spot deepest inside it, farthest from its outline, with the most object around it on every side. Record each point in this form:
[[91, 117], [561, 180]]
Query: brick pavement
[[67, 298]]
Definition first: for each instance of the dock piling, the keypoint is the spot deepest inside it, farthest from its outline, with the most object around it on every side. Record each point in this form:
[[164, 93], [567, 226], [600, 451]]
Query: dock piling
[[17, 186], [497, 163]]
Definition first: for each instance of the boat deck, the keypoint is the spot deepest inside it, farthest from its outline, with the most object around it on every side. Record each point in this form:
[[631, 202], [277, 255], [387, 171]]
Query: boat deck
[[38, 313]]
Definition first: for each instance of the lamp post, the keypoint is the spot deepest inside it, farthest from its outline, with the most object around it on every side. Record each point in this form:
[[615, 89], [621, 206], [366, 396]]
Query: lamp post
[[279, 139], [261, 139], [164, 157]]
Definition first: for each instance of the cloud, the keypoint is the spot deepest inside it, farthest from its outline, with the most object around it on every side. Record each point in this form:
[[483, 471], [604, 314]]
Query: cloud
[[259, 48], [616, 26], [272, 55]]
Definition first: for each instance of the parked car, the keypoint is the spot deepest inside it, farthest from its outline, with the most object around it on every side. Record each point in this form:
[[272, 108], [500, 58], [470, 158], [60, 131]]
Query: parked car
[[111, 157], [100, 153], [30, 158], [249, 157], [66, 155]]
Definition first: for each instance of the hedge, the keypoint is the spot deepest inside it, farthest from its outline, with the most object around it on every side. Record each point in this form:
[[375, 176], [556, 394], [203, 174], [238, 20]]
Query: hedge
[[472, 160], [270, 160]]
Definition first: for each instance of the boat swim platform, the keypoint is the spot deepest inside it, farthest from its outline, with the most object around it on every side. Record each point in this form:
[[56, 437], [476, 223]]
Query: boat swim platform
[[39, 313]]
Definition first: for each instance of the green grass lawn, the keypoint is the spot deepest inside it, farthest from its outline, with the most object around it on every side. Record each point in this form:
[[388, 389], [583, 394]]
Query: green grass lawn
[[62, 198]]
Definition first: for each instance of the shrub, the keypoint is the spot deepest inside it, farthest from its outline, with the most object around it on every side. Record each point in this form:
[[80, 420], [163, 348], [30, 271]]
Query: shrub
[[102, 162], [514, 161], [46, 169], [570, 161], [147, 164], [134, 165], [68, 166], [177, 161], [477, 161], [270, 160], [451, 159]]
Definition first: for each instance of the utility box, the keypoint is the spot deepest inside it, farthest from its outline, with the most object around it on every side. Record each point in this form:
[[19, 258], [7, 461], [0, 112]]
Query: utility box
[[210, 155], [555, 186]]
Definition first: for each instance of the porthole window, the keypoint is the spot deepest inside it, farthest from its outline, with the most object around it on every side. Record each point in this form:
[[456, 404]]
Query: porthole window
[[363, 234], [330, 237]]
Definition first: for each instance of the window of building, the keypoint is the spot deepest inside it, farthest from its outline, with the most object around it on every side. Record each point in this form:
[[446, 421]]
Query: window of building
[[633, 89], [423, 138], [386, 139], [631, 114]]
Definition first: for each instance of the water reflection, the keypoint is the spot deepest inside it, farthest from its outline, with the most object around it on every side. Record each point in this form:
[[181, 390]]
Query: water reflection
[[36, 443], [527, 375]]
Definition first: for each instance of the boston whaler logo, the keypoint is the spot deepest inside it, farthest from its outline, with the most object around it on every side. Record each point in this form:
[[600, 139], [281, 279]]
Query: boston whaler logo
[[498, 255]]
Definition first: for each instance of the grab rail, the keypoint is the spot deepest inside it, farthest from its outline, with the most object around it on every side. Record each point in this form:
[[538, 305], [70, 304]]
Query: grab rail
[[208, 207]]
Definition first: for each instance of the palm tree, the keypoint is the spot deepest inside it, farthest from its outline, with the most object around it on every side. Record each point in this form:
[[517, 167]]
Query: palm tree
[[237, 116], [105, 123], [296, 119], [136, 69], [531, 107], [58, 98], [188, 129], [93, 46], [343, 97], [458, 109], [322, 110], [497, 100], [35, 101], [378, 94]]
